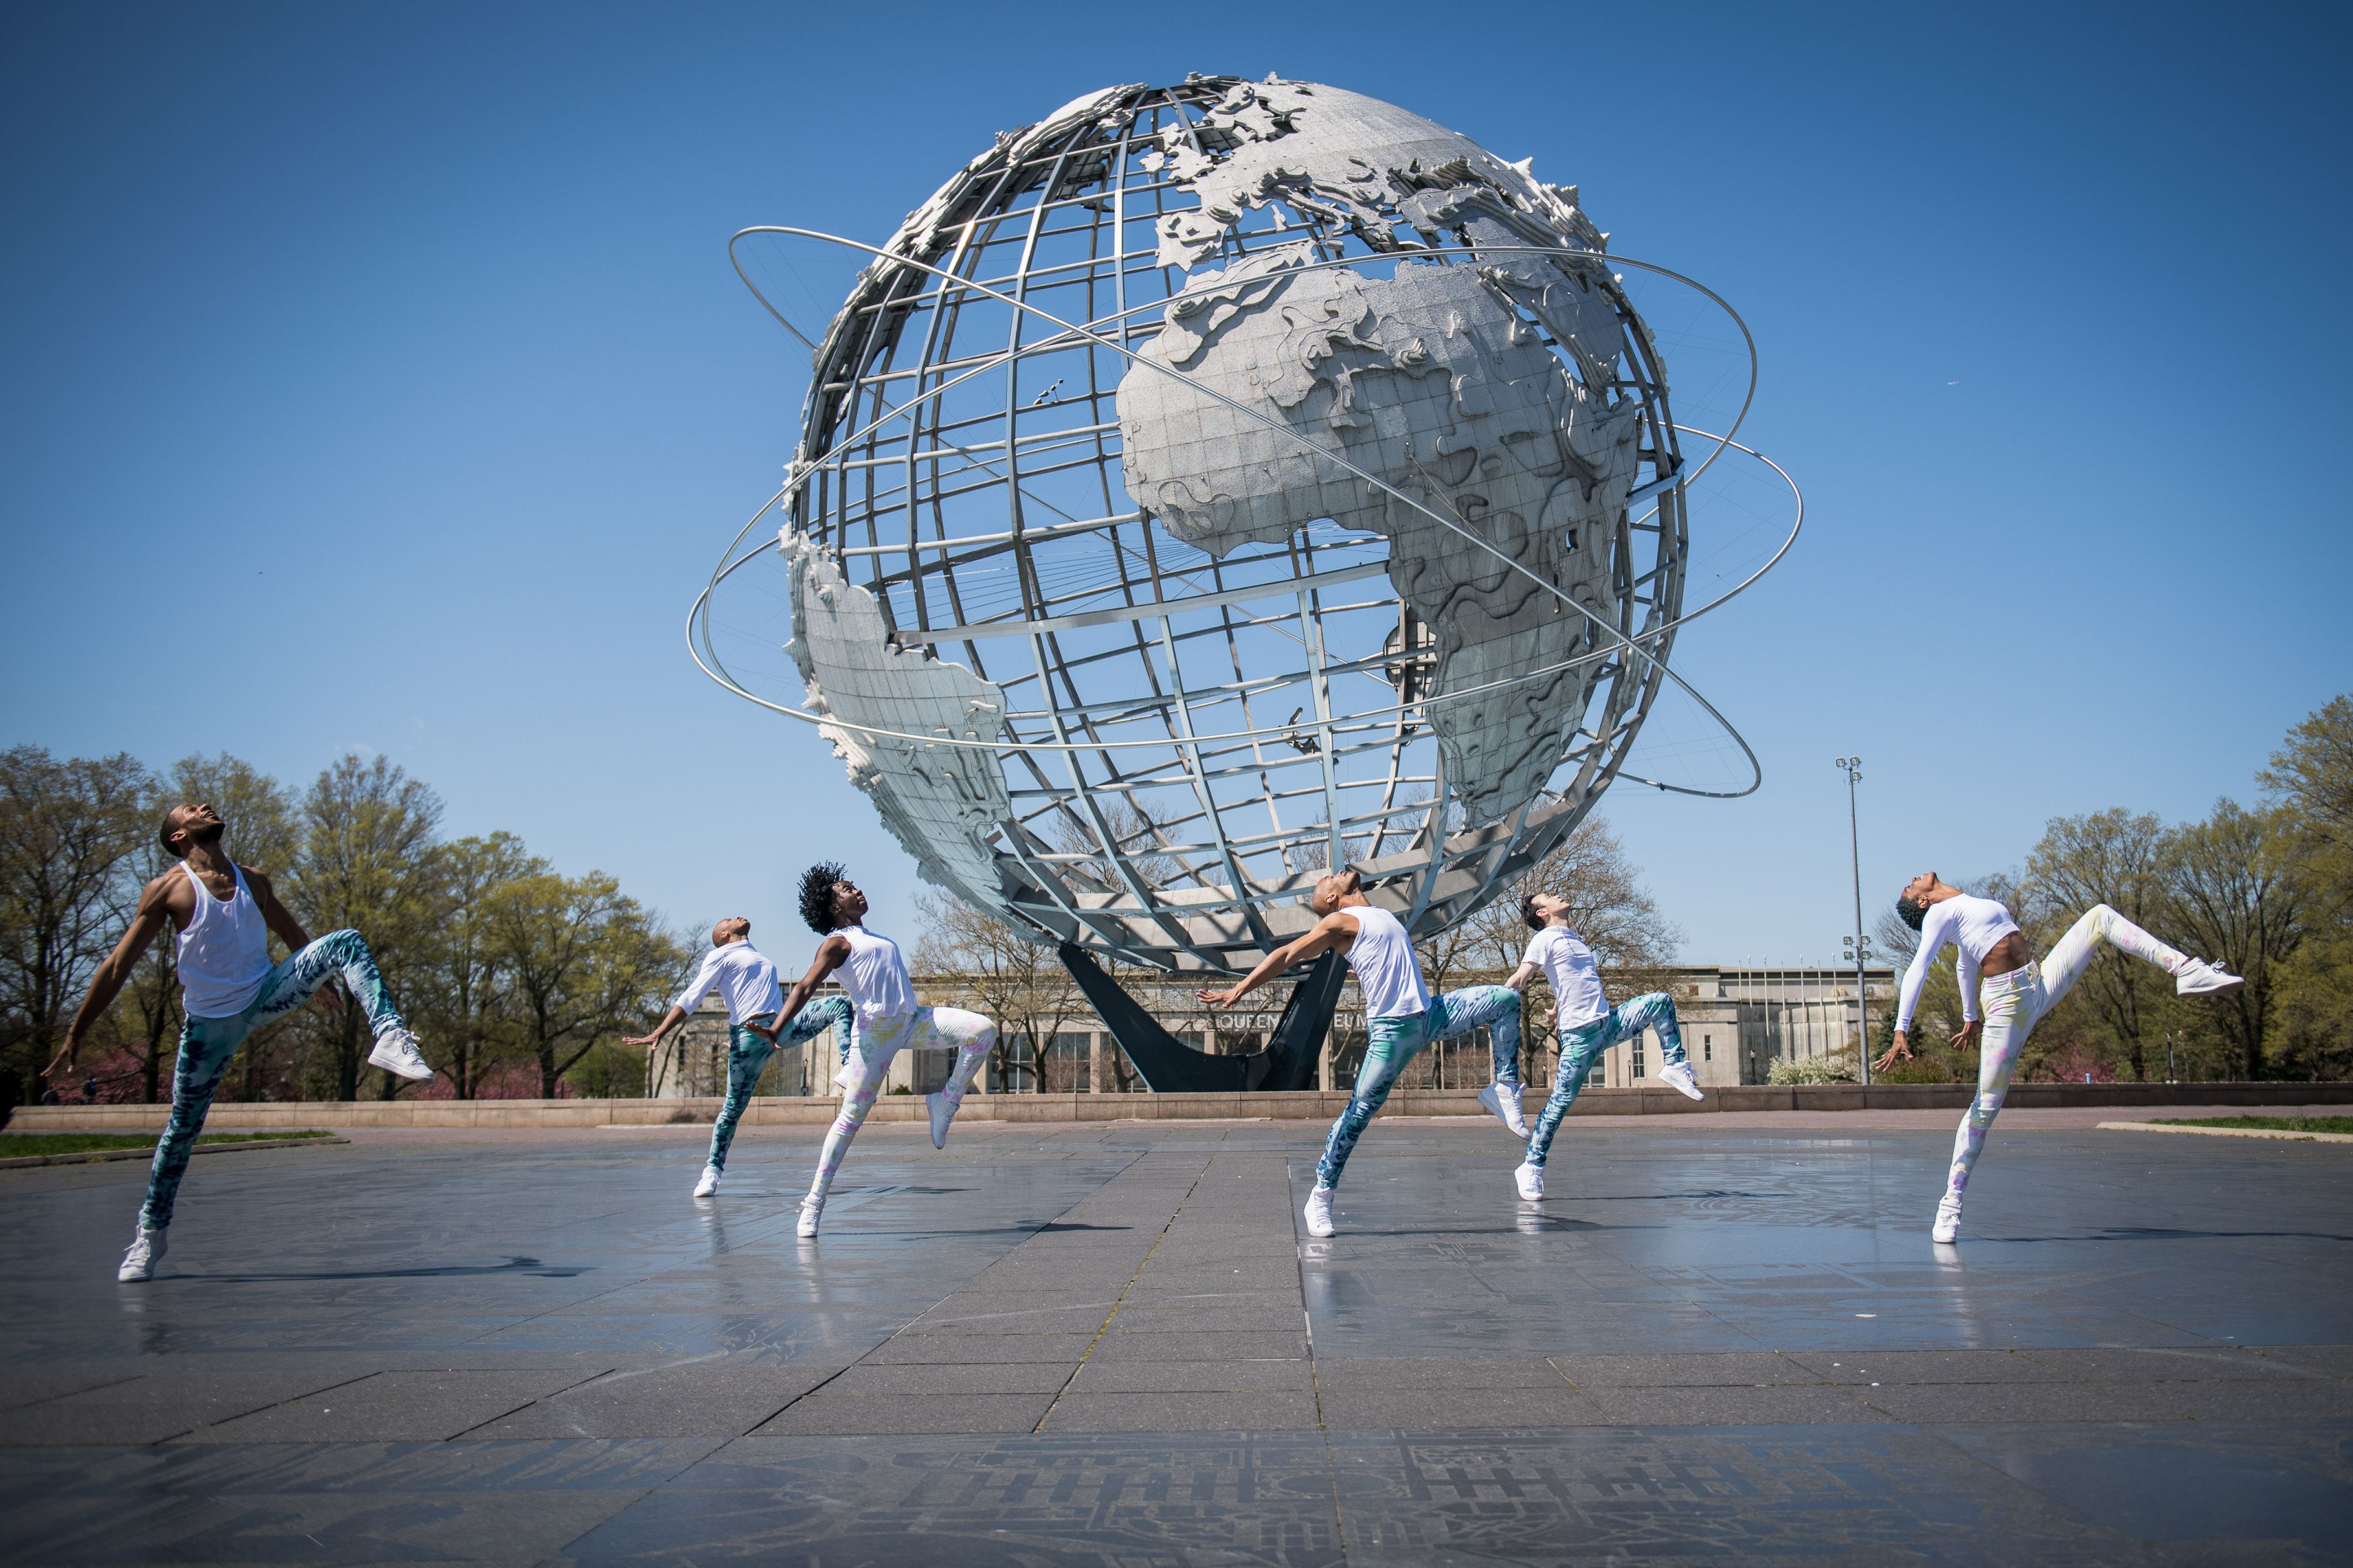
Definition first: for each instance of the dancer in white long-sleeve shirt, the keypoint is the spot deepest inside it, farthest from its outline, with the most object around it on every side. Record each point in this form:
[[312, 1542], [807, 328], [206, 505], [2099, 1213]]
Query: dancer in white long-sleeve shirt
[[886, 1022], [742, 974], [1994, 958]]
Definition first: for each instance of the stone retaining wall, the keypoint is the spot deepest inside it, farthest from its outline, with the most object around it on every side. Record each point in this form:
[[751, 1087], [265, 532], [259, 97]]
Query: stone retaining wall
[[786, 1111]]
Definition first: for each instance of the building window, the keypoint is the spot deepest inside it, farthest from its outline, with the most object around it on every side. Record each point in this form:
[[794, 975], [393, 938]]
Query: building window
[[1707, 1048], [1634, 1065]]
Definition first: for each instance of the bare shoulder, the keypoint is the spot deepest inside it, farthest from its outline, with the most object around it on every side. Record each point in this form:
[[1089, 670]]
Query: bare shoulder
[[255, 878], [1340, 923], [170, 887]]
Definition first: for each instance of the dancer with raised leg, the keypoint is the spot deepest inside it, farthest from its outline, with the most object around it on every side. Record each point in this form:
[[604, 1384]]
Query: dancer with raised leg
[[742, 974], [225, 914], [2017, 993], [1399, 1017], [886, 1021], [1588, 1024]]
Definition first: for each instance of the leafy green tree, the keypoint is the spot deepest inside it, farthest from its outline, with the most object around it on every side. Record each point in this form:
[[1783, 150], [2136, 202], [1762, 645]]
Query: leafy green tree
[[70, 832], [2236, 894], [464, 998], [583, 961], [371, 861], [2118, 859], [2312, 778]]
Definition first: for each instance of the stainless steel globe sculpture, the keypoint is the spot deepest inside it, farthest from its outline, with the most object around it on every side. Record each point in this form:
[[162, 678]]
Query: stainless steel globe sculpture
[[1216, 483]]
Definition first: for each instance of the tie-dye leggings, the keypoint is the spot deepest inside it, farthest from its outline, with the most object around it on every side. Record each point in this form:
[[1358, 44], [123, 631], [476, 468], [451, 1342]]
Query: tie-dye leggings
[[207, 1044], [2014, 1003], [1397, 1041], [748, 1051], [871, 1046], [1582, 1046]]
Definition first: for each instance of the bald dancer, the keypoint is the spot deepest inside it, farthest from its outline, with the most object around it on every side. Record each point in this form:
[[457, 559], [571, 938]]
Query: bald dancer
[[224, 915], [1399, 1015]]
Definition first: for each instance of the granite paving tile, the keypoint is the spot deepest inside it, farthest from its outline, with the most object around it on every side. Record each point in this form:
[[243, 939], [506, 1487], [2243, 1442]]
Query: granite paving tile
[[884, 1415], [1256, 1411]]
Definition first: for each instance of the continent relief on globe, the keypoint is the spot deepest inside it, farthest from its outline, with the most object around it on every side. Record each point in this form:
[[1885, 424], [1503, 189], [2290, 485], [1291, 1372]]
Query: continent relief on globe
[[1430, 381]]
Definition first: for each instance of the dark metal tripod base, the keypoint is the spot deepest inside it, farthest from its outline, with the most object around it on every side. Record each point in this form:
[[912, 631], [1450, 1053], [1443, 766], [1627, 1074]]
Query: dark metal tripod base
[[1169, 1066]]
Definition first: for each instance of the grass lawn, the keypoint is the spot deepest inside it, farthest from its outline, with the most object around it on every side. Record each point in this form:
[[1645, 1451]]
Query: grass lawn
[[15, 1145], [2266, 1124]]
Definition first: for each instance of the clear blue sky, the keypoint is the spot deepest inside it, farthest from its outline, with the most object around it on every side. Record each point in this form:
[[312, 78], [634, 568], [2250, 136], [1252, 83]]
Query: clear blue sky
[[375, 378]]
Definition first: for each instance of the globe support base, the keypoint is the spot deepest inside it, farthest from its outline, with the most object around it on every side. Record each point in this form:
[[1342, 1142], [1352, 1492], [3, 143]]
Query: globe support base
[[1169, 1066]]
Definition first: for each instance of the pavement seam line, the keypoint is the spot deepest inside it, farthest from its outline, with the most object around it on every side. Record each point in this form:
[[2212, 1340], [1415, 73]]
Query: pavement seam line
[[1141, 1265]]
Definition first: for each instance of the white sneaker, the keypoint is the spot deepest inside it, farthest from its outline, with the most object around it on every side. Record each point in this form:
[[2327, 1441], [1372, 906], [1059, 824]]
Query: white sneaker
[[1504, 1100], [810, 1209], [2199, 978], [395, 1052], [710, 1183], [1531, 1181], [1680, 1076], [139, 1263], [1319, 1212], [943, 1112], [1947, 1229]]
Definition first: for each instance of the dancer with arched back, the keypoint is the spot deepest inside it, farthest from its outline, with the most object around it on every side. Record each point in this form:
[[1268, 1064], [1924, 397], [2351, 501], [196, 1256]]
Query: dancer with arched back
[[224, 915], [742, 975], [1401, 1018], [2017, 993], [886, 1021]]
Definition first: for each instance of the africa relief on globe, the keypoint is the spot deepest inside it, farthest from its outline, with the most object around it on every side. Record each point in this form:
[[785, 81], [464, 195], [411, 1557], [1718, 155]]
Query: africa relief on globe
[[1216, 483]]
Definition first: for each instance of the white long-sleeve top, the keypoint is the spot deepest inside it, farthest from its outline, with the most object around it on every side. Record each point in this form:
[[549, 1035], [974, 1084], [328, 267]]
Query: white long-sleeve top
[[742, 974], [1974, 926]]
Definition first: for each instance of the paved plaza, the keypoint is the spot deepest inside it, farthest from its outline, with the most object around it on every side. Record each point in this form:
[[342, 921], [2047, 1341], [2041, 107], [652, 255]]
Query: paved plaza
[[1722, 1338]]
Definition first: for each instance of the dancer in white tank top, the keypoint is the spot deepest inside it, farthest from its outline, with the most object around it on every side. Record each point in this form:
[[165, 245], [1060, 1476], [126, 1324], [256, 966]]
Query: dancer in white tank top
[[887, 1021], [2015, 993], [1400, 1018], [743, 975], [225, 914]]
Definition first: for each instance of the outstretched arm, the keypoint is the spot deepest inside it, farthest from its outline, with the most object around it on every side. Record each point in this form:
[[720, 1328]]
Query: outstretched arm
[[107, 981], [706, 976], [1521, 976], [1335, 930], [831, 955], [1935, 931]]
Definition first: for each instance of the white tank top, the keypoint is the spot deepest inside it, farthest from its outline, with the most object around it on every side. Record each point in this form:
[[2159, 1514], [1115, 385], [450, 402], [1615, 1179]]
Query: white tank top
[[1388, 974], [875, 975], [224, 952]]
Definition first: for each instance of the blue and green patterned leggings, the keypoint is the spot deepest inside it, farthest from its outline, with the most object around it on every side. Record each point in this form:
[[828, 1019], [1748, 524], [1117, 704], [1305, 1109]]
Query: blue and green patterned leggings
[[1397, 1041], [207, 1044], [1582, 1046], [748, 1051]]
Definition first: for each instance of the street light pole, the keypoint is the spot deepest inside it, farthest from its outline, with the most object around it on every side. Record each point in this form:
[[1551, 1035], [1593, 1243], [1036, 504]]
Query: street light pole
[[1861, 941]]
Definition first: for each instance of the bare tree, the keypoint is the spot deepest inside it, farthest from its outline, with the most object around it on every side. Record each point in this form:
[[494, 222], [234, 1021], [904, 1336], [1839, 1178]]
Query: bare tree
[[69, 835], [1020, 985]]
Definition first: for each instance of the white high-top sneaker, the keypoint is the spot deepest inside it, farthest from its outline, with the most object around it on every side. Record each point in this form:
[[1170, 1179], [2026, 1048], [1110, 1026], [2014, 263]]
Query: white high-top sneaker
[[2199, 978], [139, 1263], [1680, 1075], [1531, 1182], [811, 1208], [1504, 1100], [395, 1052], [710, 1183], [1319, 1212], [943, 1112], [1947, 1229]]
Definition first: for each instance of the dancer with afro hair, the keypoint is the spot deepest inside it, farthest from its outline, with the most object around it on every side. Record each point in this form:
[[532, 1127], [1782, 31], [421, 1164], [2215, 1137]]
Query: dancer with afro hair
[[885, 1021]]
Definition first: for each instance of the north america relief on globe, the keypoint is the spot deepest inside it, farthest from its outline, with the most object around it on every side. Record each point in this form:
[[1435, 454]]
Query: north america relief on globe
[[1215, 483]]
